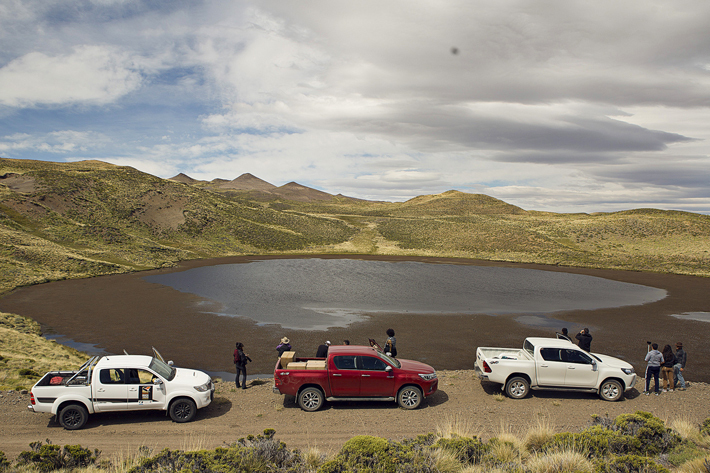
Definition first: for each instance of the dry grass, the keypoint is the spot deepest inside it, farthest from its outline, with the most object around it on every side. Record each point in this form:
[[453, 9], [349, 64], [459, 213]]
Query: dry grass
[[697, 465], [456, 426], [538, 433], [560, 462]]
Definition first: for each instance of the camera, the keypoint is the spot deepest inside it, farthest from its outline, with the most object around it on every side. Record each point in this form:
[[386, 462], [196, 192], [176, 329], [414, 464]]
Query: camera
[[648, 343]]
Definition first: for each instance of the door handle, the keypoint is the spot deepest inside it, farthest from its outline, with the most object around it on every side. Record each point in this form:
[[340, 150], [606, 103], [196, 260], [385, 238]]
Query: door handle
[[366, 376], [570, 367], [336, 374], [544, 366]]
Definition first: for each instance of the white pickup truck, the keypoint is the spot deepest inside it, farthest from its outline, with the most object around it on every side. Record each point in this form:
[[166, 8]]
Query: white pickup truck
[[554, 364], [121, 383]]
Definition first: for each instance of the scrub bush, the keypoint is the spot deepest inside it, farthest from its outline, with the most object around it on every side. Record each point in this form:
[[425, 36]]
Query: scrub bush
[[3, 461], [655, 438], [596, 440], [370, 454], [705, 427], [630, 464], [467, 450], [49, 457]]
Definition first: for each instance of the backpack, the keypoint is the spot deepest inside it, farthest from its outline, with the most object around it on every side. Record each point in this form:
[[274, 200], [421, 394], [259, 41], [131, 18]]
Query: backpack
[[237, 357], [389, 348]]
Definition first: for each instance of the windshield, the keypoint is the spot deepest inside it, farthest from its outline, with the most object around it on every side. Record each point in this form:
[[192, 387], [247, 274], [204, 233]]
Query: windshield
[[529, 347], [392, 361], [160, 367]]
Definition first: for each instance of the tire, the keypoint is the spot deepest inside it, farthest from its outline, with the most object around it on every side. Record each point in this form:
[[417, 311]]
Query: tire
[[611, 390], [183, 410], [73, 416], [517, 388], [409, 397], [310, 399]]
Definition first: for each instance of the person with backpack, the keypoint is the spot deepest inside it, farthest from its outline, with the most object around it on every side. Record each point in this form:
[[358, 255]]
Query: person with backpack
[[240, 362]]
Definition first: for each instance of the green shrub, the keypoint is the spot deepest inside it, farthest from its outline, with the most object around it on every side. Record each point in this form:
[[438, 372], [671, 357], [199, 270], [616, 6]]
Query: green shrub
[[650, 430], [467, 450], [27, 373], [597, 441], [369, 454], [49, 457], [684, 452], [629, 464], [3, 461], [705, 427]]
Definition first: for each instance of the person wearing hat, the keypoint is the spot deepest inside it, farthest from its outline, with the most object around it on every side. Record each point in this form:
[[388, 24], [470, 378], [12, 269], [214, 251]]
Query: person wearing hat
[[680, 358], [285, 345], [323, 350]]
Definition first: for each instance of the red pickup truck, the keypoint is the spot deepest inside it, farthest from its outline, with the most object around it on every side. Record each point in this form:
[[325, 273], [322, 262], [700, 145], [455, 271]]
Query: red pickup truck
[[353, 373]]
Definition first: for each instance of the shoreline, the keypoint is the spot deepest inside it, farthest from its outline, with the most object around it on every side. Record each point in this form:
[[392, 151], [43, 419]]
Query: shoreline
[[110, 311]]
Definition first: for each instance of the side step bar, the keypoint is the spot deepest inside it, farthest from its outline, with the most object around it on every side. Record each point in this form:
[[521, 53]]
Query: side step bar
[[359, 399]]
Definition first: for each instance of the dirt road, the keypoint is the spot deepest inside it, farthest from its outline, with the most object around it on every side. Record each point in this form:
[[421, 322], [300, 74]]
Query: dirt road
[[234, 414]]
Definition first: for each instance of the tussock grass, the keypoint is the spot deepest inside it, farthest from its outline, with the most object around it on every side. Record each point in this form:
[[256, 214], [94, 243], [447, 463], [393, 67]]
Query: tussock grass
[[563, 461], [458, 426], [538, 434]]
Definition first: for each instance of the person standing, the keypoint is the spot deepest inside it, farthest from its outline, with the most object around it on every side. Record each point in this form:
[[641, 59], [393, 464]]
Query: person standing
[[667, 368], [285, 345], [564, 335], [240, 362], [322, 351], [585, 339], [654, 358], [391, 343], [680, 358]]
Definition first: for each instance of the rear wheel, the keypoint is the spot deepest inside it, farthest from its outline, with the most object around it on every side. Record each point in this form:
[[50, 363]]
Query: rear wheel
[[611, 390], [183, 410], [310, 399], [73, 416], [517, 387], [409, 397]]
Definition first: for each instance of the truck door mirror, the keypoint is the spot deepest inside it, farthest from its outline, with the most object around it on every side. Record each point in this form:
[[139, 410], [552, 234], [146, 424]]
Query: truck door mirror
[[157, 381], [388, 368], [594, 365]]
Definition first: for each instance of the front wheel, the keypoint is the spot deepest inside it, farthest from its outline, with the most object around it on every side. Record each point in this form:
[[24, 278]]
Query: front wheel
[[73, 417], [409, 397], [183, 410], [517, 388], [310, 399], [611, 390]]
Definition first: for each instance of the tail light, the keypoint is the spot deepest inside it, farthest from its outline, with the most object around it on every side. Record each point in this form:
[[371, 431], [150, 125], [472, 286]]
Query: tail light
[[32, 398], [486, 368]]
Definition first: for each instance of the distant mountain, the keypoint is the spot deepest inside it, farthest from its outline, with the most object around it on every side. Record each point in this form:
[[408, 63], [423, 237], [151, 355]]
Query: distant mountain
[[248, 182], [300, 193], [185, 179]]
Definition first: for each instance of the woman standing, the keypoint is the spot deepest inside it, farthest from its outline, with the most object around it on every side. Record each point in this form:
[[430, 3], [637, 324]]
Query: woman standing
[[240, 363], [391, 343], [667, 368]]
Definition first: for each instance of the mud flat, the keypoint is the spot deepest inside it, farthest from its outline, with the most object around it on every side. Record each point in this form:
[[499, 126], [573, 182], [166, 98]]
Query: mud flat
[[126, 312]]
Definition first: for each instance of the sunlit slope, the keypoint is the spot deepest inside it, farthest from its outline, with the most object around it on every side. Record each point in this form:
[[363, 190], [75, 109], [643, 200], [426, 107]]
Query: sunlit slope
[[89, 218]]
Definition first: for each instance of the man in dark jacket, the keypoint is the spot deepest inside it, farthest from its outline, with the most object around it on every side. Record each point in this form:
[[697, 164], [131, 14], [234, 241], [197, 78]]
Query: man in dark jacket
[[240, 363], [323, 350], [680, 358], [585, 339]]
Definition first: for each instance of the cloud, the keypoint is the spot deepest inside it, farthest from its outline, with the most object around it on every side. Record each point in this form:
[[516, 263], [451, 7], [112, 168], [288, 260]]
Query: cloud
[[90, 74], [56, 142]]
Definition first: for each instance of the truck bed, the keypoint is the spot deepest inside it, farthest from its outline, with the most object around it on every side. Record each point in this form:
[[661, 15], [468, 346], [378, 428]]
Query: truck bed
[[504, 353]]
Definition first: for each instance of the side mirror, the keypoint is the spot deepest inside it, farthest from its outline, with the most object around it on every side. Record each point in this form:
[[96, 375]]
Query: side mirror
[[157, 381], [170, 363], [594, 365], [388, 368]]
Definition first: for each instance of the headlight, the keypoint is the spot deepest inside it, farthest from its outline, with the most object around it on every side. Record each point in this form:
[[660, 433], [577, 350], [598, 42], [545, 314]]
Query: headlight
[[628, 370], [203, 387], [428, 376]]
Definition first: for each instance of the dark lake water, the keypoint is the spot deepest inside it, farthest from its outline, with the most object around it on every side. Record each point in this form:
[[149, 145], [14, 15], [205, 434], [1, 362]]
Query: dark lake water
[[313, 294]]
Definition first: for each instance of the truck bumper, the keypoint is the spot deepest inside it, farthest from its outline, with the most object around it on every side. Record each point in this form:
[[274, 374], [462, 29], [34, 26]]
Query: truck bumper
[[481, 375]]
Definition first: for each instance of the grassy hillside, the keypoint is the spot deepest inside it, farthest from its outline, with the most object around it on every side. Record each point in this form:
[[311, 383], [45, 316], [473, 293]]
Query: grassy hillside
[[66, 220]]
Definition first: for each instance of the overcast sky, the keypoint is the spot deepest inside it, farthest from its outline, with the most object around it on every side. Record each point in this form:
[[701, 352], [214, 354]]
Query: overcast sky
[[567, 106]]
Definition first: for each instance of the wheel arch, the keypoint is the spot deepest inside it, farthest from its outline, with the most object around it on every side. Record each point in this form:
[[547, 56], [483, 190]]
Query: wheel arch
[[58, 406], [614, 378], [311, 385], [412, 384], [518, 375]]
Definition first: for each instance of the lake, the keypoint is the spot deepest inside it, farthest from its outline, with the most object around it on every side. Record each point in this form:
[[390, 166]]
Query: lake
[[315, 293]]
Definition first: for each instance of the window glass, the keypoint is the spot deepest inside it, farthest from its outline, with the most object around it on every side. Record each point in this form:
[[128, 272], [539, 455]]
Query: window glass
[[111, 376], [576, 356], [551, 354], [345, 362], [372, 363]]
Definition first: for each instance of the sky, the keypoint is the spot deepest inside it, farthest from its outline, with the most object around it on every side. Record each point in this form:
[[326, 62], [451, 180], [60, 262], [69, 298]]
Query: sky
[[563, 106]]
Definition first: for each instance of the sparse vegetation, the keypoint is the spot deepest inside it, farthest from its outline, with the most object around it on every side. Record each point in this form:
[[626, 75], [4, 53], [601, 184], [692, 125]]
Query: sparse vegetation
[[444, 451]]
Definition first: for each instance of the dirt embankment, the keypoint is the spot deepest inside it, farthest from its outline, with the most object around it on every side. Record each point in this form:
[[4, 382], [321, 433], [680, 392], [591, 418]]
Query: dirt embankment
[[461, 399]]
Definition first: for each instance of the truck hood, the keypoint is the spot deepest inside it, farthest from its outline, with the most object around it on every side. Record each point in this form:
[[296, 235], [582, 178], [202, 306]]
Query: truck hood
[[411, 365], [612, 362], [188, 377]]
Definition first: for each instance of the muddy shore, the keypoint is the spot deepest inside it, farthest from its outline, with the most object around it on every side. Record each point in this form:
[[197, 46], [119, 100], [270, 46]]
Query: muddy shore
[[125, 312]]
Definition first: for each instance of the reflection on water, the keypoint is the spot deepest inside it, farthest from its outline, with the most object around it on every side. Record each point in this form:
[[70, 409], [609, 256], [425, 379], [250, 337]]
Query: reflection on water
[[699, 316], [314, 294]]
